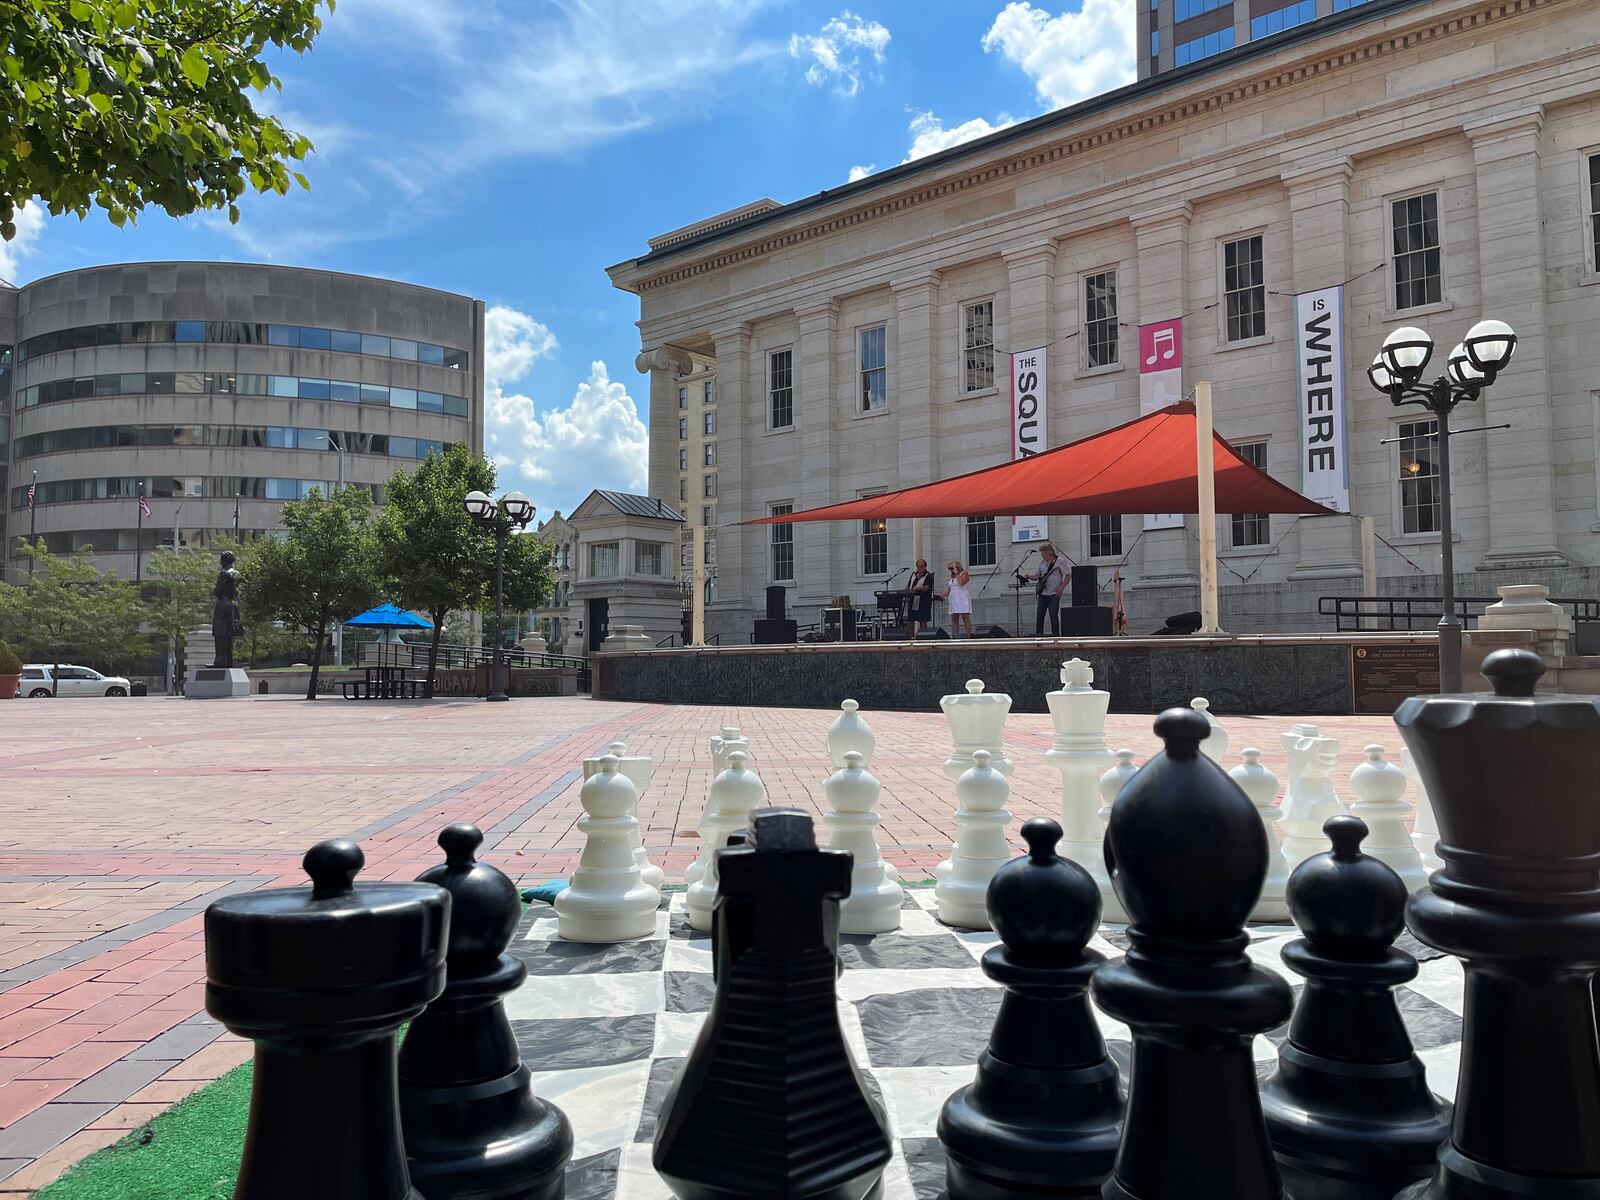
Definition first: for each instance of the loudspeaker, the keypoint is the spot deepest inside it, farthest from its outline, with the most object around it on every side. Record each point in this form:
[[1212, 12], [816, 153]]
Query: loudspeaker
[[933, 635], [777, 605], [1183, 623], [994, 631], [776, 631], [688, 626], [1085, 586], [1085, 620]]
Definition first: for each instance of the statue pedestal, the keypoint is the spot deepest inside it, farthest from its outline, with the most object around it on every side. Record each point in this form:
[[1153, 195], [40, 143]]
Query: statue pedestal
[[216, 683]]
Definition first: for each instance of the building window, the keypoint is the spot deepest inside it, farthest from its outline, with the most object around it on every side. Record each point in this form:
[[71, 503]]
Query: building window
[[647, 558], [1280, 19], [708, 422], [1244, 289], [708, 486], [977, 340], [683, 458], [782, 543], [1251, 529], [1341, 5], [1155, 42], [1100, 318], [875, 546], [709, 454], [1105, 536], [1594, 211], [683, 397], [1202, 47], [708, 392], [1184, 9], [874, 369], [705, 515], [980, 541], [1416, 251], [683, 429], [1419, 476], [683, 489], [780, 388], [605, 560]]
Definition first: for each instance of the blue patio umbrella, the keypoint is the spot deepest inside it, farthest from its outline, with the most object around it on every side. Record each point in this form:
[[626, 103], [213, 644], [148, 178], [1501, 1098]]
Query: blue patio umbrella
[[391, 617]]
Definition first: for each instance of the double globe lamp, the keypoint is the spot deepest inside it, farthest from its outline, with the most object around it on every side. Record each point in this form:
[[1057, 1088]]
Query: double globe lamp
[[513, 512], [1472, 366]]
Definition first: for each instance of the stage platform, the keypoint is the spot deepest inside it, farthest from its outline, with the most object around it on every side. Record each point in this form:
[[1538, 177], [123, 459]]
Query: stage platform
[[1283, 674]]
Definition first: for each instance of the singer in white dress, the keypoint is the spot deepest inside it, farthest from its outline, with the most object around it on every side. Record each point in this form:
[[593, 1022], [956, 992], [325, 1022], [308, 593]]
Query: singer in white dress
[[959, 594]]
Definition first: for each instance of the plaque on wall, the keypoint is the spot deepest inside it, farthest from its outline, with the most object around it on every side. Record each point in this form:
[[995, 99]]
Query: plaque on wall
[[1382, 676]]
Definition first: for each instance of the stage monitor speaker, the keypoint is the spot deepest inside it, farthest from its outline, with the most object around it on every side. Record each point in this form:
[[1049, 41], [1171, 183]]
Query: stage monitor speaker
[[777, 602], [1085, 585], [688, 626], [1086, 620], [994, 631], [933, 635], [1179, 625], [776, 631]]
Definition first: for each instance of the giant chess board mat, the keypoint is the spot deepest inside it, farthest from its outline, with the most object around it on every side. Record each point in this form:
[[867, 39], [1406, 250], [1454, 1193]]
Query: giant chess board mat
[[605, 1028]]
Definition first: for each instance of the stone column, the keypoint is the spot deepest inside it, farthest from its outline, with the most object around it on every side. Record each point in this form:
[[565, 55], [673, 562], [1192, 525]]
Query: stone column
[[664, 364], [821, 572], [1522, 524], [1030, 280], [738, 551], [911, 396]]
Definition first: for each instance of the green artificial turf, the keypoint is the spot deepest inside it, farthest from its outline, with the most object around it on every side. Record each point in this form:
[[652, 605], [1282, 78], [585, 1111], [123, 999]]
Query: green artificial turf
[[189, 1152]]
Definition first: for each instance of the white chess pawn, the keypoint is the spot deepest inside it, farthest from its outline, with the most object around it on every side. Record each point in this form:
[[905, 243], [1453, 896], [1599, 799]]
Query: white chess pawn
[[722, 745], [1309, 799], [1261, 785], [849, 732], [980, 848], [977, 722], [1111, 784], [1080, 753], [1379, 788], [873, 905], [638, 770], [1215, 746], [1425, 830], [608, 901], [738, 792]]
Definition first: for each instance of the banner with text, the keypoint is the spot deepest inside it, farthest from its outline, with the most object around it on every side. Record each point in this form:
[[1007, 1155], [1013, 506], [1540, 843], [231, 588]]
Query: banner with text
[[1161, 384], [1319, 350], [1028, 392]]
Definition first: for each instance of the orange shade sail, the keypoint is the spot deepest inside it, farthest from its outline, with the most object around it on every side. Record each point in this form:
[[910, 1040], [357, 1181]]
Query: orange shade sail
[[1145, 466]]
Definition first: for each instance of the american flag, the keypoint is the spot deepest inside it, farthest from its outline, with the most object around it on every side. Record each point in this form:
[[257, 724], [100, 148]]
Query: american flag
[[31, 486], [144, 506]]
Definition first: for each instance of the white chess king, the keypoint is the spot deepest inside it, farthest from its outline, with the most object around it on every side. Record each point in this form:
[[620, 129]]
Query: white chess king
[[977, 722], [1078, 711]]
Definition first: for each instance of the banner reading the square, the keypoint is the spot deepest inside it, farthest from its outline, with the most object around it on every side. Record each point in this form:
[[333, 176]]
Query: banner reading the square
[[1161, 384], [1028, 392]]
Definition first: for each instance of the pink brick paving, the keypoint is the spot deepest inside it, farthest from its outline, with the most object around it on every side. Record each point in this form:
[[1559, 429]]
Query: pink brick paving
[[121, 820]]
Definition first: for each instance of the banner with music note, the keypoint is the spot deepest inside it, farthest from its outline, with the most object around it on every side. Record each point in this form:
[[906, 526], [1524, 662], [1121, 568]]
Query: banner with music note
[[1161, 384]]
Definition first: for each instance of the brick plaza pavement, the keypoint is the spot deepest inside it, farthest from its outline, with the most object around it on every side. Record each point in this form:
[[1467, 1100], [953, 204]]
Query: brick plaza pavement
[[120, 820]]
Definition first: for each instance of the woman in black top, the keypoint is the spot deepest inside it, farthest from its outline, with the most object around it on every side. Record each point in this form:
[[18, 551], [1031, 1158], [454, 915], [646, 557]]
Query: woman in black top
[[921, 588]]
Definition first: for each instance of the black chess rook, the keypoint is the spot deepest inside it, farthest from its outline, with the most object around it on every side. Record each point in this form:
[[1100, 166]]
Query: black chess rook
[[1044, 1115]]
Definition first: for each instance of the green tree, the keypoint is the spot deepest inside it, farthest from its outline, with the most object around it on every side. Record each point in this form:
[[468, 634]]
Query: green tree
[[129, 103], [71, 610], [323, 569], [529, 578], [186, 578]]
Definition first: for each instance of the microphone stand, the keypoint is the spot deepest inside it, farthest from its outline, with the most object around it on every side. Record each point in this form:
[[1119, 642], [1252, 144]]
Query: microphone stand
[[1016, 592], [900, 612]]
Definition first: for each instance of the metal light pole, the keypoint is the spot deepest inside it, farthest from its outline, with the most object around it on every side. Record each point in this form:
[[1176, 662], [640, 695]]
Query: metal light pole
[[513, 512], [138, 541], [338, 629], [1472, 367], [33, 519], [172, 647]]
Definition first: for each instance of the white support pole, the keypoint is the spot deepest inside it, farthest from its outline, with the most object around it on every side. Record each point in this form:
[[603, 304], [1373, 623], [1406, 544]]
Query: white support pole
[[697, 551], [916, 539], [1369, 567], [1205, 476]]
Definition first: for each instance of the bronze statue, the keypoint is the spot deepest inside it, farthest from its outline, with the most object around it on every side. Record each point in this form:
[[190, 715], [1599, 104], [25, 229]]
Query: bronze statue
[[225, 624]]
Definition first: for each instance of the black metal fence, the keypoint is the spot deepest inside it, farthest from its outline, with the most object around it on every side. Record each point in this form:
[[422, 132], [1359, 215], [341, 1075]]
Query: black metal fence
[[1353, 614]]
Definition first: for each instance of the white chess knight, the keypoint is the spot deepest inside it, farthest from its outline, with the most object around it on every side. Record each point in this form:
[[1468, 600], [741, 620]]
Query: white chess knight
[[1215, 746], [977, 722], [1379, 789], [1261, 785], [737, 792], [1080, 753], [1309, 799], [1425, 830], [1111, 785], [848, 732], [873, 905], [980, 848], [638, 769], [722, 745], [608, 901]]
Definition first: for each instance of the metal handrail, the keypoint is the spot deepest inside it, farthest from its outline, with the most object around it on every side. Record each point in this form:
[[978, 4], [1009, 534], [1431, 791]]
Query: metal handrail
[[1353, 614]]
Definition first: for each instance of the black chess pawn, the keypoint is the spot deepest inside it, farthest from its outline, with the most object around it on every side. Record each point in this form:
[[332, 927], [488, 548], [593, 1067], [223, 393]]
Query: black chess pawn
[[1348, 1108], [1515, 784], [1044, 1115], [769, 1102], [321, 979], [1187, 853], [474, 1129]]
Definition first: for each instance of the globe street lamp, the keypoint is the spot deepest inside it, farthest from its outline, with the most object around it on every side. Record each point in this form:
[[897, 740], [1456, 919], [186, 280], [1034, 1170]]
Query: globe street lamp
[[1471, 367], [513, 512]]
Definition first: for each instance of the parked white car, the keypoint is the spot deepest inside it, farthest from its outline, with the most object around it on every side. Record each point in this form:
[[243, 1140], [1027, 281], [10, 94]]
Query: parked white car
[[74, 681]]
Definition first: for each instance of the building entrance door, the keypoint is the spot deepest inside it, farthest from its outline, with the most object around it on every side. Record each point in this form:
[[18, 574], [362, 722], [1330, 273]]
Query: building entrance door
[[599, 623]]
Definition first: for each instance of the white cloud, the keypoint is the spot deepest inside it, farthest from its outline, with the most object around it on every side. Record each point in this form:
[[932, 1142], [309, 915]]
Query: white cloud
[[845, 48], [1069, 56], [29, 220], [512, 342], [861, 172], [929, 135]]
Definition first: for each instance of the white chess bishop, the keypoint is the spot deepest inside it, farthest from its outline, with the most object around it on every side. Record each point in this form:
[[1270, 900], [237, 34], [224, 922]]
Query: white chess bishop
[[1215, 746], [1080, 753], [1261, 785], [980, 848], [608, 901], [848, 732], [1111, 784], [873, 905], [977, 722], [637, 768], [1425, 829], [737, 792], [1379, 789], [1309, 799], [722, 745]]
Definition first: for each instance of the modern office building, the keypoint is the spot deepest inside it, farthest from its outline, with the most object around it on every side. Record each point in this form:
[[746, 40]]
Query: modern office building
[[1175, 33], [1407, 162], [218, 391]]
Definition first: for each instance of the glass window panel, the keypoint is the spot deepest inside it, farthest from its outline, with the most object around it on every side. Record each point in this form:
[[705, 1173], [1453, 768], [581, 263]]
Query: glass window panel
[[189, 383], [315, 339], [349, 393], [1417, 279], [782, 543], [430, 402], [374, 343], [313, 389], [403, 348], [400, 397], [403, 447], [980, 542], [281, 438], [283, 335], [455, 358], [874, 546], [1251, 529], [455, 406], [1244, 290], [429, 353], [1100, 319], [708, 422], [977, 321], [107, 385], [1105, 535], [1419, 476], [190, 331], [285, 385], [780, 388], [374, 393], [605, 559], [345, 341]]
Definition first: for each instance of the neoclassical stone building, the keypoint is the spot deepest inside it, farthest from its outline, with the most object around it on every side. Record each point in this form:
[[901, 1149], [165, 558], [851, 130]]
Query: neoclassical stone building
[[1439, 159]]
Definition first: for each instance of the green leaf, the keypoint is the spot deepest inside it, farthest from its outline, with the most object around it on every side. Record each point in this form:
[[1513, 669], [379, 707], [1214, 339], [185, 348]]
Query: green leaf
[[100, 102], [233, 214], [81, 10], [194, 66]]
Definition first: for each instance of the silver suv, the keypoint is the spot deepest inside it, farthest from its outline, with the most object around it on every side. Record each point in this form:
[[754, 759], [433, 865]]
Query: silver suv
[[72, 681]]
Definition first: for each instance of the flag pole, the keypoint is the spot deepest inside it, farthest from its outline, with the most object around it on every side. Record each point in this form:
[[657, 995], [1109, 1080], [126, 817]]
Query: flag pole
[[138, 542], [33, 519], [1206, 481]]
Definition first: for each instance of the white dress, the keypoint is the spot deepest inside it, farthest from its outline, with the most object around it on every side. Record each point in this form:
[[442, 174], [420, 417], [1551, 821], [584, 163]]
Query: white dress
[[960, 597]]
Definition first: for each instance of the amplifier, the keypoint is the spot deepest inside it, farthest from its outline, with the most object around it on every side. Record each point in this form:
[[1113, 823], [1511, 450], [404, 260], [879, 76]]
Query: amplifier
[[1085, 620], [776, 631]]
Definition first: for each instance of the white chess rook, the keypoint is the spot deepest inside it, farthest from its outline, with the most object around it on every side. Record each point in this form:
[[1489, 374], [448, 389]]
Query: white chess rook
[[1215, 747], [980, 848], [608, 901], [638, 769], [1111, 783], [1425, 829], [1379, 789], [1309, 799], [873, 905], [737, 793], [722, 744], [1080, 753], [977, 722], [1261, 785], [848, 732]]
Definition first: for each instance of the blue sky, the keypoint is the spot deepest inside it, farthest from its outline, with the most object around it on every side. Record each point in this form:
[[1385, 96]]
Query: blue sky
[[512, 149]]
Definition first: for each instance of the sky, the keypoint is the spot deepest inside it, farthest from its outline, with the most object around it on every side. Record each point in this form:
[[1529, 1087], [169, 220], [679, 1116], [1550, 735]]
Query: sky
[[511, 150]]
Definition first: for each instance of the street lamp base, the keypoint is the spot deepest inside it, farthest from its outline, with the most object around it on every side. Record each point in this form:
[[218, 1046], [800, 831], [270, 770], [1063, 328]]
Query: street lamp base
[[497, 696]]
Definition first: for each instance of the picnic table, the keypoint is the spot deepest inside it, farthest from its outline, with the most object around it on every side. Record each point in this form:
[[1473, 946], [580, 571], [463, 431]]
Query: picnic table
[[385, 683]]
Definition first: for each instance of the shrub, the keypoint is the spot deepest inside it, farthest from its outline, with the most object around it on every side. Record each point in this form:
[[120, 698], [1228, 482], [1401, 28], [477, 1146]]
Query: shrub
[[10, 664]]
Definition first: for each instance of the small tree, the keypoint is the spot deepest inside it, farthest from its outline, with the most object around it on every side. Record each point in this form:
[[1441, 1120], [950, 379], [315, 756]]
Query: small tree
[[529, 578], [323, 569], [187, 577], [71, 609]]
